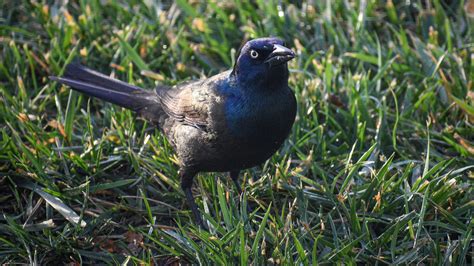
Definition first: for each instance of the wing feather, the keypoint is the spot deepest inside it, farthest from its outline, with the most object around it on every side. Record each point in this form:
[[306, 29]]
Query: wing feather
[[188, 104]]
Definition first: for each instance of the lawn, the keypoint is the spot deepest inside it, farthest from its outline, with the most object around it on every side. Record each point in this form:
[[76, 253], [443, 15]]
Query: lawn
[[378, 168]]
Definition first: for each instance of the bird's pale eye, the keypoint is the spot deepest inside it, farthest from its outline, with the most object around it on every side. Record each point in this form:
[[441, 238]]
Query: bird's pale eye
[[253, 54]]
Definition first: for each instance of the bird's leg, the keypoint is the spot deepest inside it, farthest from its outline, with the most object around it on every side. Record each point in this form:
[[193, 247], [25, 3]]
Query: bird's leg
[[234, 175], [186, 184]]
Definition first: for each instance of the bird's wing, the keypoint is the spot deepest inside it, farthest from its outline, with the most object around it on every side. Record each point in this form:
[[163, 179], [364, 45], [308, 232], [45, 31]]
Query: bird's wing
[[188, 104]]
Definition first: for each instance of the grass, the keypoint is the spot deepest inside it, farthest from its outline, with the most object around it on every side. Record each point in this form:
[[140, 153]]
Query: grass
[[378, 169]]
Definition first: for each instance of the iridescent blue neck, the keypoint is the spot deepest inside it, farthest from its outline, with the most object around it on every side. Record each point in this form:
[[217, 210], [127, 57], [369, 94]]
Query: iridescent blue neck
[[261, 78]]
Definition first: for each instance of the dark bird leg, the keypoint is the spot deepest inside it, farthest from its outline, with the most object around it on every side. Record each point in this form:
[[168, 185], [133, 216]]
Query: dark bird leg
[[234, 175], [186, 184]]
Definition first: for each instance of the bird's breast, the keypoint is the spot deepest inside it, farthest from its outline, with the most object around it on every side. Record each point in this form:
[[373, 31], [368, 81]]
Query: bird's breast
[[261, 119]]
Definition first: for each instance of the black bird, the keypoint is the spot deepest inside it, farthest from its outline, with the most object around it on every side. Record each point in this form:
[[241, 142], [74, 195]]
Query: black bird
[[231, 121]]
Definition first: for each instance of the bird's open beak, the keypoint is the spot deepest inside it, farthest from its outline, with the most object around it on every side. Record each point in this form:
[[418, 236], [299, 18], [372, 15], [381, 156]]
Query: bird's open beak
[[279, 55]]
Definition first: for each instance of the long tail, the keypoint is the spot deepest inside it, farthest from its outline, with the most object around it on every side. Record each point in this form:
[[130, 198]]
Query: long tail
[[95, 84]]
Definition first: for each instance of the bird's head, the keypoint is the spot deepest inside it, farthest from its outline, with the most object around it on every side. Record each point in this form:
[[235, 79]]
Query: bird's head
[[263, 60]]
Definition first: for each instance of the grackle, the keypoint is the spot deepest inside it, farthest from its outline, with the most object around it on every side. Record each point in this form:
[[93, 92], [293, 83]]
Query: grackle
[[231, 121]]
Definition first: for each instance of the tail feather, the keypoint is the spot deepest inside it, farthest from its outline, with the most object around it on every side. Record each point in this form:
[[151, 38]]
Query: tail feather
[[108, 89], [79, 72]]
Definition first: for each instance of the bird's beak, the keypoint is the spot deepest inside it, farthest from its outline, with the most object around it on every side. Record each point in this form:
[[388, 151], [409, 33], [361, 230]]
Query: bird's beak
[[279, 55]]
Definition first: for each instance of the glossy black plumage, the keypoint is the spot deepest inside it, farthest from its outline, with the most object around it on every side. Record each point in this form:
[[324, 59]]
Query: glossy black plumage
[[231, 121]]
